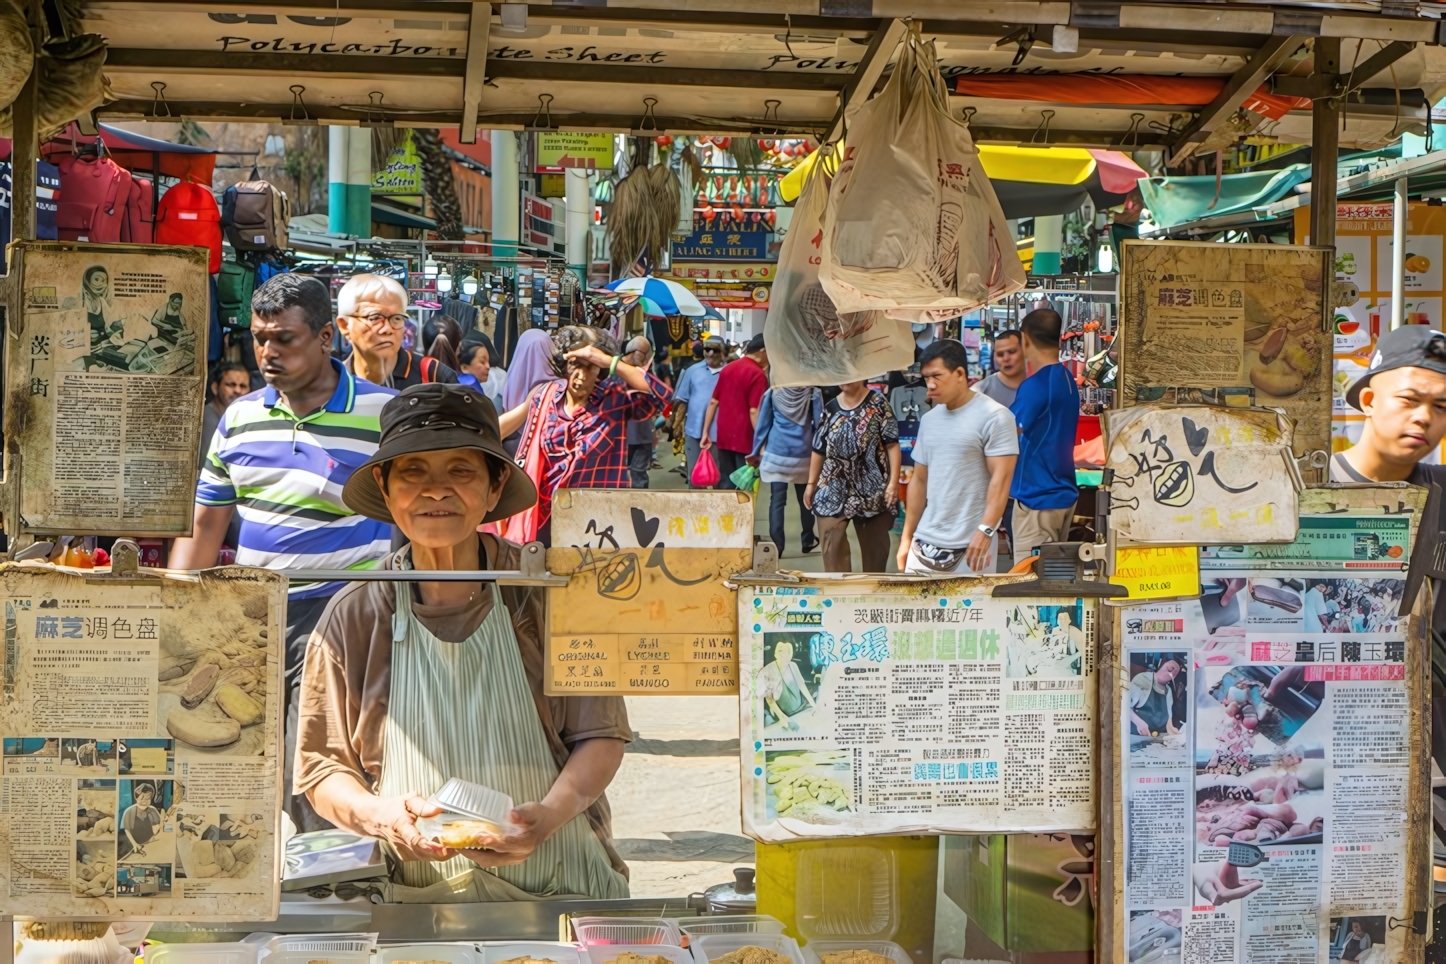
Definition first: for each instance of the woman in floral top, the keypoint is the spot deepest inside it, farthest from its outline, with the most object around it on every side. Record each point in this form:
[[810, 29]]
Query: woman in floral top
[[854, 475]]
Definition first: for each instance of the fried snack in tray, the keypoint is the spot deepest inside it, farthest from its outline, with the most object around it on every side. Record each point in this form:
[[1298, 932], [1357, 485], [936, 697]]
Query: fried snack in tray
[[524, 959], [467, 834], [856, 956], [629, 957], [752, 955]]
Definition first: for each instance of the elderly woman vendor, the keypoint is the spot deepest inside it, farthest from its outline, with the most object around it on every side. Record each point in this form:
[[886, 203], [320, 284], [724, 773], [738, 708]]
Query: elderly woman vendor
[[409, 684]]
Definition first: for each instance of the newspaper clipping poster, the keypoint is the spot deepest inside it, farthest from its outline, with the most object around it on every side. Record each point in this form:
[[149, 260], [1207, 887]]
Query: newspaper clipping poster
[[141, 745], [1265, 730], [885, 709], [112, 357], [1236, 325]]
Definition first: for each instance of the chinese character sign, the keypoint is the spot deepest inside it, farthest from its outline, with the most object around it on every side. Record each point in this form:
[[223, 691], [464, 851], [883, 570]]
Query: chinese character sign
[[872, 709]]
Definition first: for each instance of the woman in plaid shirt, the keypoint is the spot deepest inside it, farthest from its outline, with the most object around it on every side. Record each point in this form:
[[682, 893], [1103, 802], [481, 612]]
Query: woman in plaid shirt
[[574, 432]]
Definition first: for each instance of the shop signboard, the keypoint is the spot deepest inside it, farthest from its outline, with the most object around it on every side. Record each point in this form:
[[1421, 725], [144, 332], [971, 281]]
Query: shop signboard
[[1271, 735], [538, 230], [1234, 325], [722, 271], [107, 378], [142, 744], [737, 242], [874, 707], [1198, 474], [560, 150], [1365, 241], [647, 609], [402, 173]]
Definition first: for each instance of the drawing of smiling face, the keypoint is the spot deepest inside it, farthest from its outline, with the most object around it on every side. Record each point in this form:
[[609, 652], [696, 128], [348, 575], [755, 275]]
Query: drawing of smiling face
[[1175, 485]]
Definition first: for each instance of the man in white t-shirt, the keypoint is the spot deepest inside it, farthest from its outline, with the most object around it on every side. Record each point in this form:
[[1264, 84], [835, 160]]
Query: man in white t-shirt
[[967, 445]]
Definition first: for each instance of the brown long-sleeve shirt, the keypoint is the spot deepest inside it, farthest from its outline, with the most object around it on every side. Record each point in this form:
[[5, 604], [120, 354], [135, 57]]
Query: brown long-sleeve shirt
[[346, 683]]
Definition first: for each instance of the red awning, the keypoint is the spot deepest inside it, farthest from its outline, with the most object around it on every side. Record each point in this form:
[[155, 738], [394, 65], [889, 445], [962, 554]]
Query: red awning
[[136, 152], [1117, 173], [1122, 89]]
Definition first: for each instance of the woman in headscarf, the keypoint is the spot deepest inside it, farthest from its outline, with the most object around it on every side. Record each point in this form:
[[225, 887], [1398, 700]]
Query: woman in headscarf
[[531, 366], [782, 449], [574, 432]]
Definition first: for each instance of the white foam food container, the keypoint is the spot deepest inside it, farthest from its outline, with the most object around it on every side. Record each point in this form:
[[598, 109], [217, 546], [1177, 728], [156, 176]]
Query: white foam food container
[[709, 924], [451, 953], [352, 948], [626, 930], [814, 950], [494, 952], [606, 953], [201, 954], [714, 946]]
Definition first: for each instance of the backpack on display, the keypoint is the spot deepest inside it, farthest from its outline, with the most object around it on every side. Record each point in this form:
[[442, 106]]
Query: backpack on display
[[139, 225], [254, 215], [234, 285], [94, 192], [188, 215]]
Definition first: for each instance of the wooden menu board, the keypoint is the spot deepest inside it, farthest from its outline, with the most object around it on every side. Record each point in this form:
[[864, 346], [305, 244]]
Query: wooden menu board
[[1237, 325], [644, 621]]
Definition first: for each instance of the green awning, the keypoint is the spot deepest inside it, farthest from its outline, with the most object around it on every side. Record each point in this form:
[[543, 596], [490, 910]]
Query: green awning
[[387, 214], [1177, 200]]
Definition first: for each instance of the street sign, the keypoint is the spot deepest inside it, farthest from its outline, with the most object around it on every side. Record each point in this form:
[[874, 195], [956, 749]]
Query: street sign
[[560, 150]]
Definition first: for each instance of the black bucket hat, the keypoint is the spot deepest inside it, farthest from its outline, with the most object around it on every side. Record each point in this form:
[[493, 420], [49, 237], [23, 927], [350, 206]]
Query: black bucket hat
[[1410, 346], [430, 418]]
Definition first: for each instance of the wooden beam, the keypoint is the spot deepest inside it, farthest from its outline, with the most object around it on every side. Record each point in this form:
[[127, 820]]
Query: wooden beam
[[860, 85], [209, 62], [475, 75], [1378, 61], [1325, 133], [1261, 65]]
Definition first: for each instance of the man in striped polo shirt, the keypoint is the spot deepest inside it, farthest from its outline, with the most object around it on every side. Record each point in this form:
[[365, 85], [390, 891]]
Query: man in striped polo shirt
[[281, 456]]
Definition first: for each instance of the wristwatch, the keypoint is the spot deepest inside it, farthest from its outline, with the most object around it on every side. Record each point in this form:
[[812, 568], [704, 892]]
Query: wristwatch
[[988, 530]]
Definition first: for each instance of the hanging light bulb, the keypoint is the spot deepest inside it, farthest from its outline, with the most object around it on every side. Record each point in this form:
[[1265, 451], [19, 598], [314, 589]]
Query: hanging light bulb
[[429, 270], [444, 282], [469, 284], [1106, 258]]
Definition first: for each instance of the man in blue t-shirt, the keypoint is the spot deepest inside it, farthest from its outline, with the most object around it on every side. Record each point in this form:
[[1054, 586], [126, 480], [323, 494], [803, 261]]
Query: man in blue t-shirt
[[1046, 407]]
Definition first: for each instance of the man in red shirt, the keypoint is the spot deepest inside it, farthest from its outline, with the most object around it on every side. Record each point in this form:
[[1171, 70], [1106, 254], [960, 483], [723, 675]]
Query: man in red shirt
[[735, 403]]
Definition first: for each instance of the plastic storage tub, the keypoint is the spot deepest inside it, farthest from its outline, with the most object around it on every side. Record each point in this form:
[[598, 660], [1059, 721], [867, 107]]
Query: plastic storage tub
[[606, 953], [626, 930], [201, 954], [494, 952], [320, 949], [453, 953], [706, 949], [814, 950], [731, 924]]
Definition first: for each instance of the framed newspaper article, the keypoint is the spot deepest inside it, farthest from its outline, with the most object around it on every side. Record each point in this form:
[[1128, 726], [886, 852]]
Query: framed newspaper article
[[105, 379], [870, 707], [1237, 325], [1271, 785], [142, 744]]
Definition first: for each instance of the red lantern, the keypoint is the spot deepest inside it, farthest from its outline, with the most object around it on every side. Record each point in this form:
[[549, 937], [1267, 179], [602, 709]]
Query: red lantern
[[772, 217], [709, 213], [723, 142], [664, 141], [738, 213]]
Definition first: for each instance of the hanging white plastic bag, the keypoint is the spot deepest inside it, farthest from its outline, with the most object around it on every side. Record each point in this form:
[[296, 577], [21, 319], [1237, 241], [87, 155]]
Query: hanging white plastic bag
[[809, 341], [923, 236]]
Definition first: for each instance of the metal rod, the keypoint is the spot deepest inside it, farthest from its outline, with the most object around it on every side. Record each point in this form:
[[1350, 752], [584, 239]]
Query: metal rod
[[1399, 216], [403, 575]]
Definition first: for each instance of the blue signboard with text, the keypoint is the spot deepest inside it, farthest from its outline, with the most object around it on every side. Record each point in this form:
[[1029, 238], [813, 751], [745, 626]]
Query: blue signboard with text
[[725, 240]]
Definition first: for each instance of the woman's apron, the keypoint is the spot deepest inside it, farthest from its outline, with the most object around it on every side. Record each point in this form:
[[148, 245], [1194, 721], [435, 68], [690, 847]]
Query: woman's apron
[[466, 710]]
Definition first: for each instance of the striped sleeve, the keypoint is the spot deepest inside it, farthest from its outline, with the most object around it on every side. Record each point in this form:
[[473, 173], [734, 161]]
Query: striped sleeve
[[214, 487]]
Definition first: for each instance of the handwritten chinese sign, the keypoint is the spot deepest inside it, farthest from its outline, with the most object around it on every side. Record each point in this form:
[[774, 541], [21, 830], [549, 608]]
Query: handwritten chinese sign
[[609, 519], [642, 621], [1201, 475]]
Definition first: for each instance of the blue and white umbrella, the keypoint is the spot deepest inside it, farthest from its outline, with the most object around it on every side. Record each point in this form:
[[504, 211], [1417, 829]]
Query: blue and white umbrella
[[671, 297]]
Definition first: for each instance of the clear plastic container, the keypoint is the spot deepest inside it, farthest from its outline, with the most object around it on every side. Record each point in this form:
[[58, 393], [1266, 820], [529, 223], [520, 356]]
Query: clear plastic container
[[607, 953], [453, 953], [846, 893], [710, 948], [731, 924], [495, 952], [321, 949], [626, 930], [815, 950], [201, 954]]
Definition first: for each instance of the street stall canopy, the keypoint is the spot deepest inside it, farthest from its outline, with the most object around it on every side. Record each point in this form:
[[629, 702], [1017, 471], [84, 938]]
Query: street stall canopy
[[1142, 75], [1177, 200], [133, 151]]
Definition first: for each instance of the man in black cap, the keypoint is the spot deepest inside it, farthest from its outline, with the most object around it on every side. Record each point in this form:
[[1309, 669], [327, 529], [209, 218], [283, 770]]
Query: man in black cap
[[1403, 395]]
